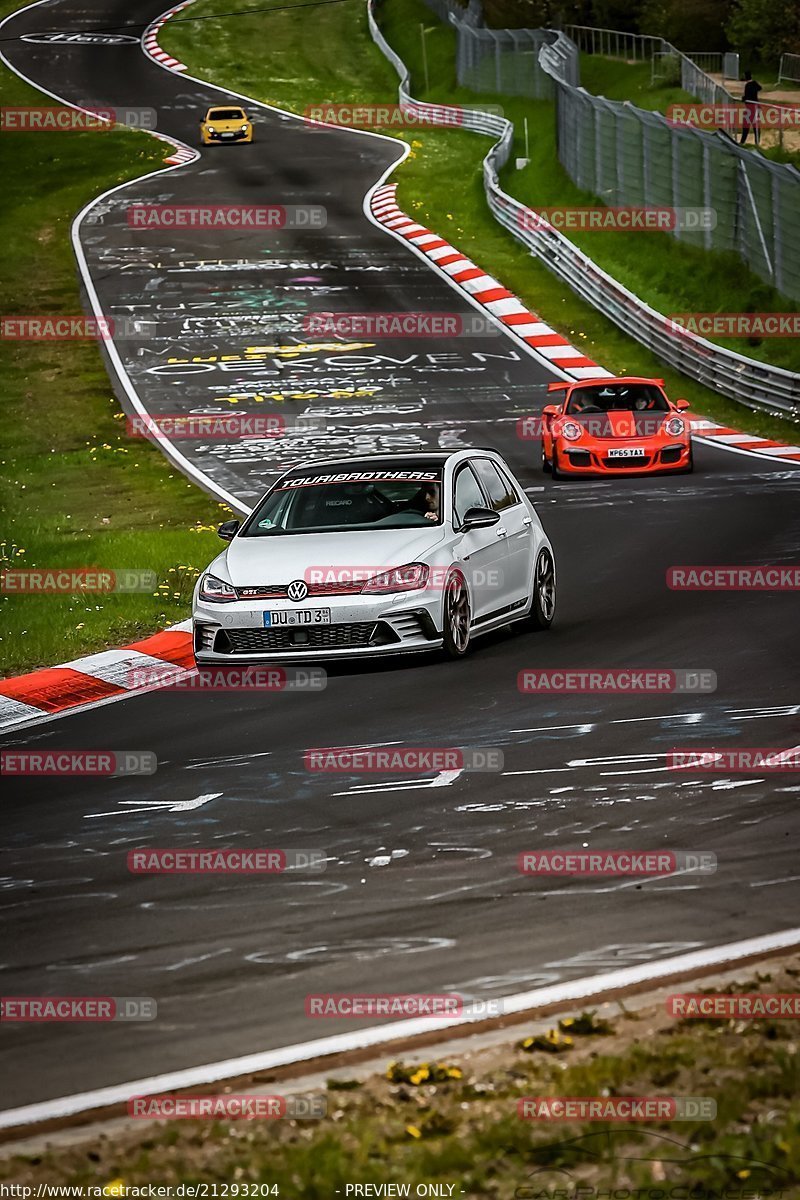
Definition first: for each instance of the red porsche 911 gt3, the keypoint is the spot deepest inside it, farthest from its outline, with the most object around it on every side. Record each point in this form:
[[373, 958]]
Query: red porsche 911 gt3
[[614, 427]]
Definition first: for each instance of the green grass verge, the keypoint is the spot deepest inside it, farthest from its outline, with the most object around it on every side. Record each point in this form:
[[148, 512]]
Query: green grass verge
[[455, 1122], [269, 56], [75, 491]]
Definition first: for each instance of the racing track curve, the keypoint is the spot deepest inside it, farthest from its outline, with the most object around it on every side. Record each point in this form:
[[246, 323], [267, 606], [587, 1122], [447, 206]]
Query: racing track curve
[[230, 961]]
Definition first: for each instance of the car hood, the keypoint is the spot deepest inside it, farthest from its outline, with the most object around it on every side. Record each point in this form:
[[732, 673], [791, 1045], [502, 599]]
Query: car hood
[[621, 424], [279, 559]]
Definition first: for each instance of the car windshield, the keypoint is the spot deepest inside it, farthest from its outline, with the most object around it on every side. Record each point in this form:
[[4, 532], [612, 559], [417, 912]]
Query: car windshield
[[617, 397], [226, 114], [352, 500]]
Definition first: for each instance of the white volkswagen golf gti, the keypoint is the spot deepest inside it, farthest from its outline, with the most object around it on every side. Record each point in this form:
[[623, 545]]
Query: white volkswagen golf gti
[[376, 555]]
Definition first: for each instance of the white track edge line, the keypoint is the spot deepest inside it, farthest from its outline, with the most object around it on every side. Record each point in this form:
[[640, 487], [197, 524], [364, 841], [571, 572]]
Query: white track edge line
[[577, 989]]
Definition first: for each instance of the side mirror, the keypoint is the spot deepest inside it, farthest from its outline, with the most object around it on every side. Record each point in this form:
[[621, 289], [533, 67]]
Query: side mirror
[[480, 518], [550, 410], [228, 530], [681, 404]]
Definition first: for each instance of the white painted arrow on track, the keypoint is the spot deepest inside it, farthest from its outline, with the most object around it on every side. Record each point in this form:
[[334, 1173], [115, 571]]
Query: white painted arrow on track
[[165, 806]]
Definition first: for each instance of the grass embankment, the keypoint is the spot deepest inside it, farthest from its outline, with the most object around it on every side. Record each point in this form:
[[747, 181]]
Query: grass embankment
[[455, 1123], [271, 57], [75, 491]]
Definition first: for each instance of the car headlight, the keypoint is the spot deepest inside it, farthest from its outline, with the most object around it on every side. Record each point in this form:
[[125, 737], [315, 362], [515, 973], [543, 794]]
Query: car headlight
[[216, 590], [674, 426], [398, 579], [571, 430], [244, 129]]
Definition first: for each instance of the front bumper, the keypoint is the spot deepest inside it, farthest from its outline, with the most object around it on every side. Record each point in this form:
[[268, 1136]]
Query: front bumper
[[659, 456], [212, 137], [360, 627]]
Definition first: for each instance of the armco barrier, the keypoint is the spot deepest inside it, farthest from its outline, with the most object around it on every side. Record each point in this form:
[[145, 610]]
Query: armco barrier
[[754, 384]]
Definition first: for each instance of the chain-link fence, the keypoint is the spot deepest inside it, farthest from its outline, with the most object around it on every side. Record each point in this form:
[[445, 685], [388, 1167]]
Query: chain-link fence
[[506, 61], [789, 70]]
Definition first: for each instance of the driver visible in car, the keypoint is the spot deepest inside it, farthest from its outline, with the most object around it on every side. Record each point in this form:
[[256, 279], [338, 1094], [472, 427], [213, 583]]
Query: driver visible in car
[[426, 502]]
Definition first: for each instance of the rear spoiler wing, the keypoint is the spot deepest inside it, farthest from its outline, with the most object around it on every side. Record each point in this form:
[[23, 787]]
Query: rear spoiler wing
[[560, 387]]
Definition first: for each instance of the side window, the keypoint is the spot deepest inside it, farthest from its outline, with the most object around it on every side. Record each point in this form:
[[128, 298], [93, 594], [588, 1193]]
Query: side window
[[500, 491], [466, 494]]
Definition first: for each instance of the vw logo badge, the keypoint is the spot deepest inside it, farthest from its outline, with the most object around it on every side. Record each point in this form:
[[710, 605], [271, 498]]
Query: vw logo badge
[[298, 590]]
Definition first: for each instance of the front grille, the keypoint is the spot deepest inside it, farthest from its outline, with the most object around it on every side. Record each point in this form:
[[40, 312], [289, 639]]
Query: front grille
[[672, 454], [322, 637], [579, 458], [279, 591]]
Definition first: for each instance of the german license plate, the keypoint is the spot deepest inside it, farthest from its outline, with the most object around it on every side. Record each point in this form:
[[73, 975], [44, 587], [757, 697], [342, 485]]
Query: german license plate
[[297, 616], [627, 452]]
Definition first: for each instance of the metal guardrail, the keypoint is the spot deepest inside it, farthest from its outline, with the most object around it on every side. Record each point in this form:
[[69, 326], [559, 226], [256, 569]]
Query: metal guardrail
[[748, 381]]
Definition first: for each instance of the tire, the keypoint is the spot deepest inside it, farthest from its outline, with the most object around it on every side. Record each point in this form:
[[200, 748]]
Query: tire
[[690, 465], [554, 471], [545, 464], [543, 601], [456, 617]]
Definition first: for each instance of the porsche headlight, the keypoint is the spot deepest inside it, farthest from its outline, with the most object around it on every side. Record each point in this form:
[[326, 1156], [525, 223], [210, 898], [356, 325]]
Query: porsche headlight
[[571, 430], [674, 426], [216, 590]]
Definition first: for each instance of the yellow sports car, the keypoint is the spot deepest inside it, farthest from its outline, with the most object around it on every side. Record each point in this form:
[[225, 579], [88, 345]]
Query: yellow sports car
[[226, 125]]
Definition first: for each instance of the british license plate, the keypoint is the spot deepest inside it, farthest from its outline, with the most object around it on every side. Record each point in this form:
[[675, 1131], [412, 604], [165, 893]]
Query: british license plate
[[297, 616], [627, 452]]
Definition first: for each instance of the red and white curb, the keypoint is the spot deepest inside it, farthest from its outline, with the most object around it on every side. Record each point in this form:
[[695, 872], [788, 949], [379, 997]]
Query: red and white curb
[[733, 439], [150, 39], [96, 678], [484, 290]]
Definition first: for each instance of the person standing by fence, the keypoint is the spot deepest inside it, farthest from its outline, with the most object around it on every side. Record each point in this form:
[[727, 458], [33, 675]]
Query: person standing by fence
[[752, 116]]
